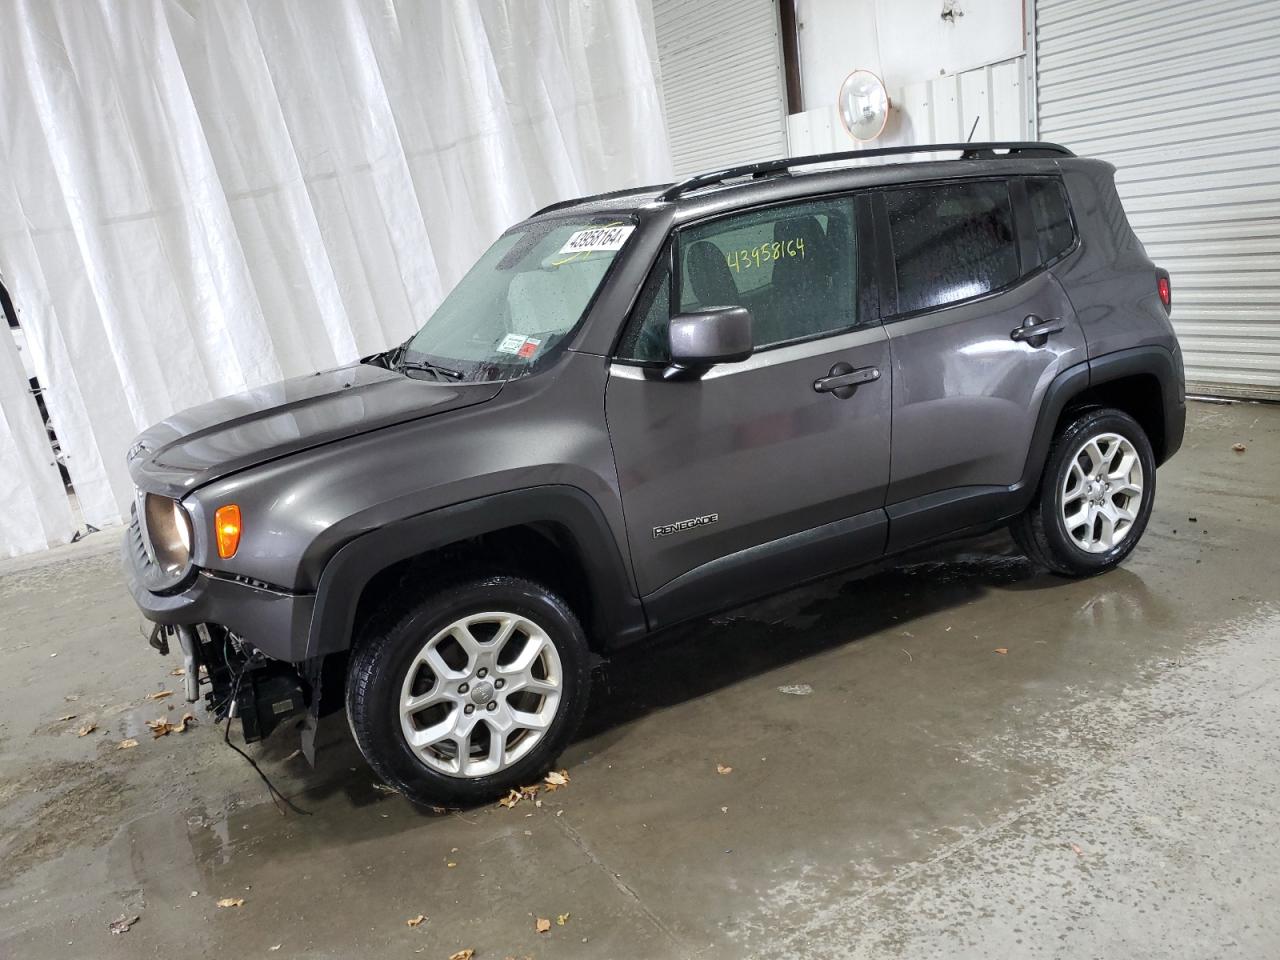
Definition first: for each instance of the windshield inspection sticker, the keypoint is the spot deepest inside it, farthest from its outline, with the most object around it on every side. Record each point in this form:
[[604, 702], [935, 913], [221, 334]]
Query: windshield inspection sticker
[[511, 344], [519, 345], [596, 239]]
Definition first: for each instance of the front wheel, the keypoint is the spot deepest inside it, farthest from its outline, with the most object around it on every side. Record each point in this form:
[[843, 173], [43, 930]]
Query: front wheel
[[473, 691], [1095, 495]]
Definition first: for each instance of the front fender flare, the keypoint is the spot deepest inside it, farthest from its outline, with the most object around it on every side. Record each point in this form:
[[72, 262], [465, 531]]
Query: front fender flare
[[617, 613]]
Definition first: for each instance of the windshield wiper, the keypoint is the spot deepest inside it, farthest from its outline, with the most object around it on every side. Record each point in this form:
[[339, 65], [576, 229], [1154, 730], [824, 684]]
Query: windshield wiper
[[425, 366]]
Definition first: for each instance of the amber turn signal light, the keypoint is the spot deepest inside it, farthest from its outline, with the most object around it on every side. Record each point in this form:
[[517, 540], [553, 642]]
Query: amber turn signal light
[[226, 526]]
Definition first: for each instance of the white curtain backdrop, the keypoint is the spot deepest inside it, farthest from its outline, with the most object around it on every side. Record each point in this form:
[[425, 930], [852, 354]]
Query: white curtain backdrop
[[201, 196], [34, 511]]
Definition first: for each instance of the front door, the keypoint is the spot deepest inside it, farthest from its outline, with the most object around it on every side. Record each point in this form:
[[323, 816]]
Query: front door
[[761, 473]]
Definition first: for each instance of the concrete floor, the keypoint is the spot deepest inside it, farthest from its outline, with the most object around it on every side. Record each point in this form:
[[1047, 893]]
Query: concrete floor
[[1106, 788]]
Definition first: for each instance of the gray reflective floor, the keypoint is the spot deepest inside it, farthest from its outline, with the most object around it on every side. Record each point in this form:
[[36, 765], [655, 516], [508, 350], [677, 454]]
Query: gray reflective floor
[[1109, 787]]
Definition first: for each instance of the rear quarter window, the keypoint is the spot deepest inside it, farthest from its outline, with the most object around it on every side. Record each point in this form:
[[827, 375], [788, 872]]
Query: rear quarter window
[[951, 242], [1052, 217]]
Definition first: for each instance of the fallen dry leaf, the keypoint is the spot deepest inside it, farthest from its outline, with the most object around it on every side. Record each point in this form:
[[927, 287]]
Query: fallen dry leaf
[[466, 954], [1002, 650], [796, 689], [416, 921], [66, 716], [515, 796], [722, 769], [128, 744], [543, 925], [1238, 447], [158, 695], [161, 727], [122, 924], [562, 920], [87, 729], [182, 672], [231, 902], [556, 779]]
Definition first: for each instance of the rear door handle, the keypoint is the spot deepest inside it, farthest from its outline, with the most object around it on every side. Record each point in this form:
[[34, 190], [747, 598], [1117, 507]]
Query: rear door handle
[[843, 380], [1035, 331]]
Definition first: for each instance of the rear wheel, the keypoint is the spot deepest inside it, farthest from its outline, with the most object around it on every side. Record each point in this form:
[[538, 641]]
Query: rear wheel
[[473, 691], [1095, 495]]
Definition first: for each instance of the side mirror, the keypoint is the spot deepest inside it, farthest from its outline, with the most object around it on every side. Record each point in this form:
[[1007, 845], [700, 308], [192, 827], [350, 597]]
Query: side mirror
[[706, 337]]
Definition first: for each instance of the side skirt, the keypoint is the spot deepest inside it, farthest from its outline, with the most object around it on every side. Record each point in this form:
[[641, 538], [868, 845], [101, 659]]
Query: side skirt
[[768, 568]]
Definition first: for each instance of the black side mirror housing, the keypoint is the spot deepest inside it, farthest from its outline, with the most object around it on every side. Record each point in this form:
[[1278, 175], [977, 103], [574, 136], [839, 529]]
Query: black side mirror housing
[[705, 337]]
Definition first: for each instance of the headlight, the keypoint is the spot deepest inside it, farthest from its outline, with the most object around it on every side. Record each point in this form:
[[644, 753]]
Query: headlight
[[183, 524], [169, 529]]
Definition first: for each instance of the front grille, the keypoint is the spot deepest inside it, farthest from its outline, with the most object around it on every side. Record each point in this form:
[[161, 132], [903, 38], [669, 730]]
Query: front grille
[[138, 545]]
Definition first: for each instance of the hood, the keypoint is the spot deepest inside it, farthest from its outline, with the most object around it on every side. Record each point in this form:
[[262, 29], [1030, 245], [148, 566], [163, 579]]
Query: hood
[[218, 438]]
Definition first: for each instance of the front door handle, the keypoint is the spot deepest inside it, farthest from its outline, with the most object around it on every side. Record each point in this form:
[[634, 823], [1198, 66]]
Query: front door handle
[[1034, 331], [843, 380]]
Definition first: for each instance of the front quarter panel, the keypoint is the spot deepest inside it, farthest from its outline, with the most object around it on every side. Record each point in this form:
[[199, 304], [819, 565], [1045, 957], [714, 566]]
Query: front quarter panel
[[298, 511]]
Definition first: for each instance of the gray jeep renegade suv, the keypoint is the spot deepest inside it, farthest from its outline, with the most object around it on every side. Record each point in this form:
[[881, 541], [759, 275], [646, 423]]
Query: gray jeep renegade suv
[[648, 406]]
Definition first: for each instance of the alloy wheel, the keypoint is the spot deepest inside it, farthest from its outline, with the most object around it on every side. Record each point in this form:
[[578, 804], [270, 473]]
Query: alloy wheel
[[480, 694], [1102, 492]]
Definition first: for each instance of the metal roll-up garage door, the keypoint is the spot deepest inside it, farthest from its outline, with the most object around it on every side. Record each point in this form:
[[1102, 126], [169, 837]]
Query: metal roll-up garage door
[[722, 82], [1184, 98]]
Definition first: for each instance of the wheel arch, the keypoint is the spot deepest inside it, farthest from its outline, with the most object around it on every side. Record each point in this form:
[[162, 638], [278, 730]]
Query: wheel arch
[[1145, 382], [555, 534]]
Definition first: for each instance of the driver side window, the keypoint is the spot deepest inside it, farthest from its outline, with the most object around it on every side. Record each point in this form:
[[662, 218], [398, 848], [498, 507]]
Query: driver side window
[[793, 266]]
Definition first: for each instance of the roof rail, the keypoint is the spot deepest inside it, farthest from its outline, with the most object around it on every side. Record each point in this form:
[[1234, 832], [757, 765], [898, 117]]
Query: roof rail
[[574, 201], [969, 151]]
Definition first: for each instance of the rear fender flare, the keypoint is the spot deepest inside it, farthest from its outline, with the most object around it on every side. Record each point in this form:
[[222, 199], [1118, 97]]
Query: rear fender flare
[[1070, 383]]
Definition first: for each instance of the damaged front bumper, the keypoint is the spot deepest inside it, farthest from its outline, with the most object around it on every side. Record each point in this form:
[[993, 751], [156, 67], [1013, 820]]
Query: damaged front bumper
[[237, 637], [273, 621]]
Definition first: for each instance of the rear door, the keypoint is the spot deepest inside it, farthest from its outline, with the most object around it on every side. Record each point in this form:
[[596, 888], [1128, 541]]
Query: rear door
[[969, 371], [750, 476]]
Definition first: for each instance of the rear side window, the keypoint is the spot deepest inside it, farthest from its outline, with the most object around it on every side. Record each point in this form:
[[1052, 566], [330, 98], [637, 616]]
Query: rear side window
[[793, 266], [1054, 233], [951, 242]]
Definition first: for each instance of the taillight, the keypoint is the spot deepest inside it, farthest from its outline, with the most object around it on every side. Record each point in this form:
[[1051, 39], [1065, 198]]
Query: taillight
[[1165, 291]]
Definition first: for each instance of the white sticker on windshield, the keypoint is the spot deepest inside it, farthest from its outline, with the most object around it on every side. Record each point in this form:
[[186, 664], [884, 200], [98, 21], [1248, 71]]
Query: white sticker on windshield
[[598, 239], [511, 343]]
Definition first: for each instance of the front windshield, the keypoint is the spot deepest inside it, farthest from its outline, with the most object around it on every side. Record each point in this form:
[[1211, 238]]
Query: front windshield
[[522, 297]]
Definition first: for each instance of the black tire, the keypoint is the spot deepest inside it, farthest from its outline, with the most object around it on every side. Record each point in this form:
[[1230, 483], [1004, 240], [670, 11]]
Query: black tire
[[1041, 531], [389, 645]]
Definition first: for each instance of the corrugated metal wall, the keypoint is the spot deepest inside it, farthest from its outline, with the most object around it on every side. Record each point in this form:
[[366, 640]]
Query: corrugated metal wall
[[722, 82], [1184, 98]]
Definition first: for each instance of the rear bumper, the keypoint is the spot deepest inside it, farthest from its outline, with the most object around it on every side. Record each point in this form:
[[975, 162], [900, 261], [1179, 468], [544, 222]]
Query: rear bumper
[[275, 622], [1175, 425], [1175, 406]]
